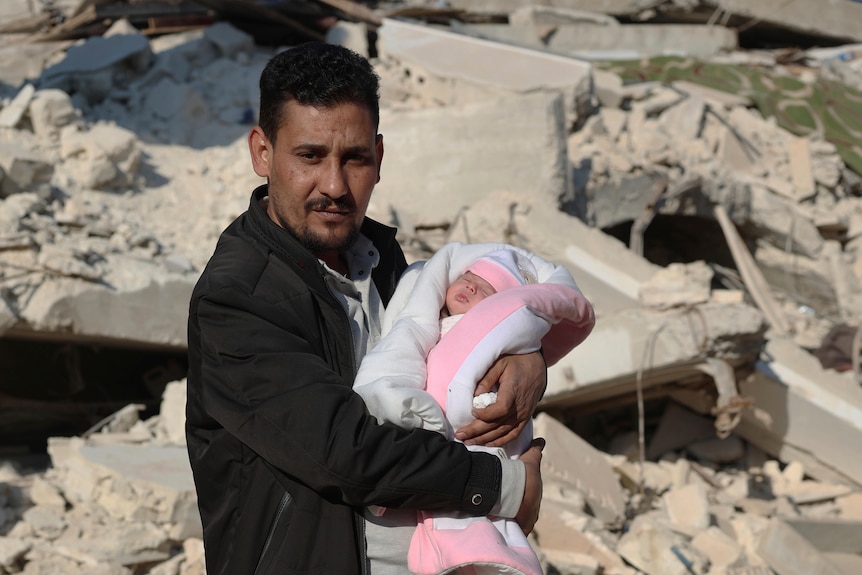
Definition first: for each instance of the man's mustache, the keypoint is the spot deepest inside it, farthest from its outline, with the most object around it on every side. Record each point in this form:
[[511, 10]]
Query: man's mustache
[[344, 203]]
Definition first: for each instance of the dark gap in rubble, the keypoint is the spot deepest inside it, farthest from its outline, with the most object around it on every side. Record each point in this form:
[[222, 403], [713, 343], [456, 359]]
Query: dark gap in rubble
[[679, 239], [605, 426], [752, 34], [56, 388]]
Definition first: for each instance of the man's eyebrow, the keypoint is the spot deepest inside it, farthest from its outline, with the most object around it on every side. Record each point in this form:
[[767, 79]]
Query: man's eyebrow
[[318, 148], [324, 149], [357, 150]]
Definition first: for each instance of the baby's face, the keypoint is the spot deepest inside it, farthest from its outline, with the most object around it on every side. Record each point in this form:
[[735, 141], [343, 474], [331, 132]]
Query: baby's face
[[465, 292]]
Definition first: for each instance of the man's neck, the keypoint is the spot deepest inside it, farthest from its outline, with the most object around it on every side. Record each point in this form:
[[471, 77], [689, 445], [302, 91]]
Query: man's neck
[[335, 260]]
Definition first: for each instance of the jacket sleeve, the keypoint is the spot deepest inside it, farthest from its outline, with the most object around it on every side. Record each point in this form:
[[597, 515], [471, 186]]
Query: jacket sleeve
[[265, 381]]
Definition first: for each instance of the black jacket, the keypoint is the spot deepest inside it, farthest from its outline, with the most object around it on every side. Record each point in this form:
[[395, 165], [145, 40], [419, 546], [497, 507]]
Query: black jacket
[[284, 454]]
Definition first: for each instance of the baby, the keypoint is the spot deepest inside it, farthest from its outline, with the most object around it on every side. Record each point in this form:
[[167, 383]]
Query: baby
[[500, 300]]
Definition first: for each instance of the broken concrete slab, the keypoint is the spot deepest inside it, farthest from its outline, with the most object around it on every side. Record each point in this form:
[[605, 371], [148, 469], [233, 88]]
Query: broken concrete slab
[[574, 462], [585, 40], [837, 19], [836, 535], [509, 217], [809, 279], [662, 346], [613, 7], [713, 97], [553, 16], [130, 544], [453, 68], [90, 68], [138, 302], [804, 412], [556, 532], [789, 553], [479, 159]]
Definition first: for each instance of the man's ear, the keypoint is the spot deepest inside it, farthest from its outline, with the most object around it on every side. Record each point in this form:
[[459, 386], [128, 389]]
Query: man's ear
[[261, 151], [379, 145]]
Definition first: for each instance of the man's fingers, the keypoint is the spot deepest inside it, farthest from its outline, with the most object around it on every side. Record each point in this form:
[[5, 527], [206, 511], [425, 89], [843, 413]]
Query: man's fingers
[[489, 380], [497, 437], [480, 432]]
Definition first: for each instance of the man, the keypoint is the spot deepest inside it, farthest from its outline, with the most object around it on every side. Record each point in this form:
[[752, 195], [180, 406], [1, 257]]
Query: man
[[284, 453]]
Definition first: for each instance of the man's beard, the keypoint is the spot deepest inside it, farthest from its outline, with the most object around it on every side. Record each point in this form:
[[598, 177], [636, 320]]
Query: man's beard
[[318, 243]]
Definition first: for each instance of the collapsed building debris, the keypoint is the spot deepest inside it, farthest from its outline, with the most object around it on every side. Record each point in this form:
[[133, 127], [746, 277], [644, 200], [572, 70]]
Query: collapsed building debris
[[714, 226]]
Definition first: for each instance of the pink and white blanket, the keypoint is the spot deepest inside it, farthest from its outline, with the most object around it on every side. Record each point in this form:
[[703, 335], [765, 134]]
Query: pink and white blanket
[[414, 378]]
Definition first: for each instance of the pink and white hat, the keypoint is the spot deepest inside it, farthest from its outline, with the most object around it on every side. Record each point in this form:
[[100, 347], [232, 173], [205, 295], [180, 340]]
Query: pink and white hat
[[504, 269]]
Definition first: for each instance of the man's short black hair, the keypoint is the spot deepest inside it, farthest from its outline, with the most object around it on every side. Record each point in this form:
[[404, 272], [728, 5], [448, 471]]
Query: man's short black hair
[[316, 74]]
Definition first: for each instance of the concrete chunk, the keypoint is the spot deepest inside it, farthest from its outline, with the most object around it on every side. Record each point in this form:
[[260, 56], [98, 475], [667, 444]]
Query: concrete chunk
[[106, 156], [555, 532], [688, 507], [24, 170], [652, 549], [11, 114], [130, 482], [800, 169], [789, 553], [678, 284], [433, 183], [718, 451], [572, 460], [228, 39], [11, 550], [677, 428], [51, 110], [172, 413], [722, 551]]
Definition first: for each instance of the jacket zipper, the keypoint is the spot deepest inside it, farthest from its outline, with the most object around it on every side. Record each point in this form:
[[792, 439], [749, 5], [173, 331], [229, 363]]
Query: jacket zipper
[[285, 501], [360, 519]]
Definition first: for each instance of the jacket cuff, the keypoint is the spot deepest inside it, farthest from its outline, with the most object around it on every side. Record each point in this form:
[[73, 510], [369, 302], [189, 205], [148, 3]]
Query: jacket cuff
[[511, 489], [483, 487]]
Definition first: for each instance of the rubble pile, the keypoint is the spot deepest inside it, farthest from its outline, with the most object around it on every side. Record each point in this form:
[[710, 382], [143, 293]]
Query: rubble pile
[[707, 198], [121, 501]]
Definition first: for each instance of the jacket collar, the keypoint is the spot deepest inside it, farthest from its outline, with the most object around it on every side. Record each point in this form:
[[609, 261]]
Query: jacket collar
[[285, 244]]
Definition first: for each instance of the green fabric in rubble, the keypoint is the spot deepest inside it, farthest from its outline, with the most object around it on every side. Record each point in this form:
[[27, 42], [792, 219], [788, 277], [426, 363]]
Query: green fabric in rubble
[[825, 107]]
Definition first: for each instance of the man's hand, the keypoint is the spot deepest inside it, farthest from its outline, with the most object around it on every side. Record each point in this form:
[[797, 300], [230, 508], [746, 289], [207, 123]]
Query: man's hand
[[528, 513], [520, 382]]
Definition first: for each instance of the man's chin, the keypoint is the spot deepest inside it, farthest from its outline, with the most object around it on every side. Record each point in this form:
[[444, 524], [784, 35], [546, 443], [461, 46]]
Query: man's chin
[[319, 242]]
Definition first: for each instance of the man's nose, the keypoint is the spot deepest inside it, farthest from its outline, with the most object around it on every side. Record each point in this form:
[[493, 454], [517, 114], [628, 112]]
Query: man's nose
[[333, 180]]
